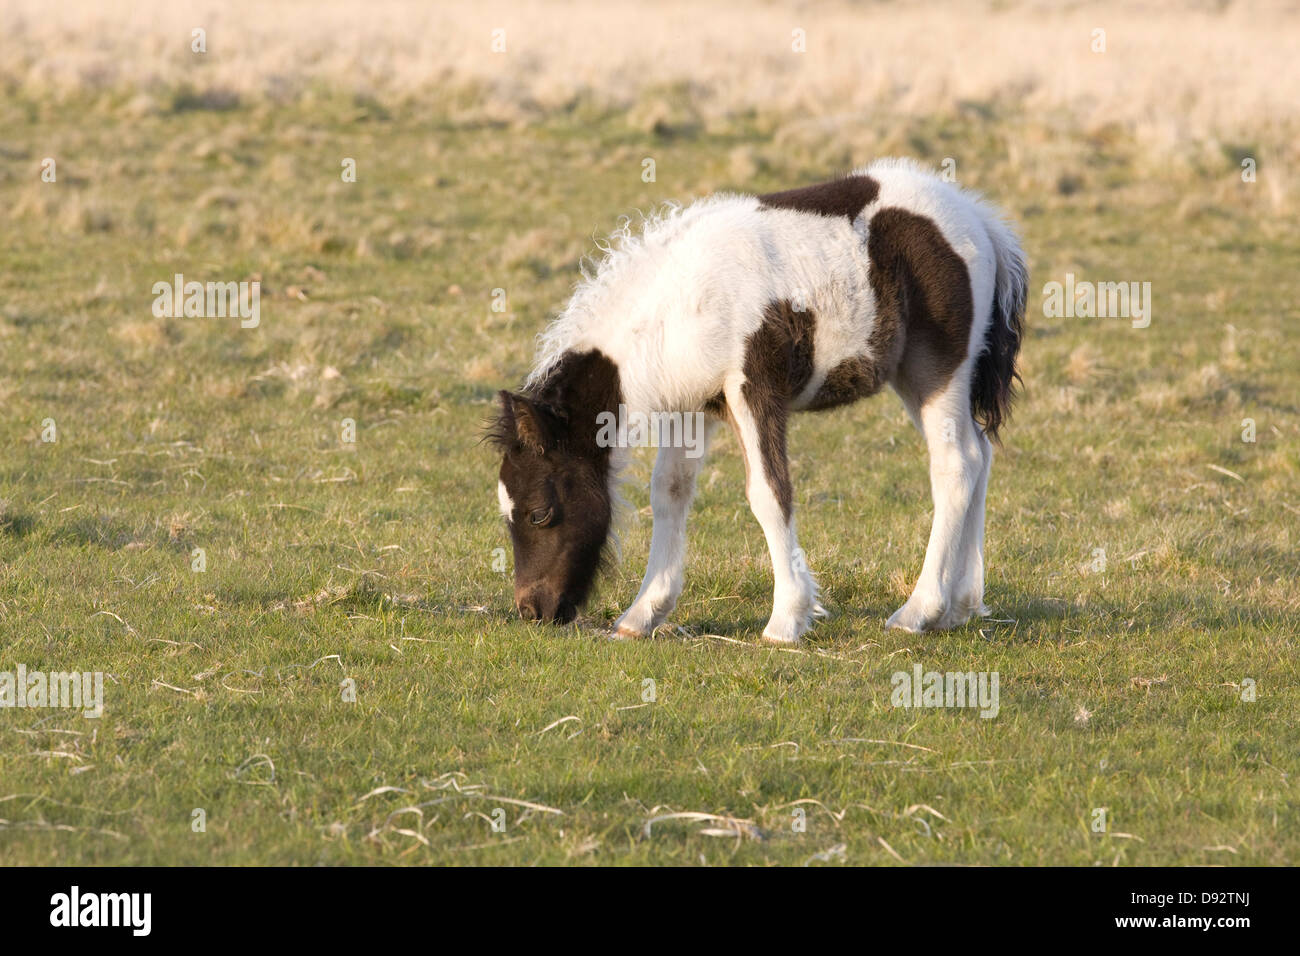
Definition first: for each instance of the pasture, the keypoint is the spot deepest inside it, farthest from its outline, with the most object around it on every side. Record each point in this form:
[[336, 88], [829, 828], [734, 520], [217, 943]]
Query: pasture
[[311, 639]]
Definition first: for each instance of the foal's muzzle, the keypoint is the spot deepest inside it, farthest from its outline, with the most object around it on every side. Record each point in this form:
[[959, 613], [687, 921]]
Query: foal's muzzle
[[539, 607]]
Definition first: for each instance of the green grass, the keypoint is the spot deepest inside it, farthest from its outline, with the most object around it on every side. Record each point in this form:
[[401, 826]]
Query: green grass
[[374, 561]]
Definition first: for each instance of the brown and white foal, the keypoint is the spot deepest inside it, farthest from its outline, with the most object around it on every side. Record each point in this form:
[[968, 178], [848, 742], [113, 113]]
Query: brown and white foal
[[746, 308]]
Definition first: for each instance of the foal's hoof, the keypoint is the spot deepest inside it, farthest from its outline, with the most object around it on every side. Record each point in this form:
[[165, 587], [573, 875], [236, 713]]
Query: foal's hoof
[[625, 633], [913, 619], [785, 628], [959, 615], [633, 624]]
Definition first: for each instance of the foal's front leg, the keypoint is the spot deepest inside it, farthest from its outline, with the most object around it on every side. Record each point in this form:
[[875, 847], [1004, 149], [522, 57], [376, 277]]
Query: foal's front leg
[[759, 418], [672, 487]]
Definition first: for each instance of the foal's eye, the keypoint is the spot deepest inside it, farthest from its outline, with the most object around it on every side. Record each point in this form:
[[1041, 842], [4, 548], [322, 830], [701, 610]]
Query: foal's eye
[[542, 516]]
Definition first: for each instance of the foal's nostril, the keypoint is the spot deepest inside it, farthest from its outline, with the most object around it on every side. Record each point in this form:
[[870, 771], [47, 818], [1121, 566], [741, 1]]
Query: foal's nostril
[[540, 606]]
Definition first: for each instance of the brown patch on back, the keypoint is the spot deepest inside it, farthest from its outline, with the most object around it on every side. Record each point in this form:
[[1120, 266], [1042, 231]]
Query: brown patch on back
[[924, 306], [841, 197]]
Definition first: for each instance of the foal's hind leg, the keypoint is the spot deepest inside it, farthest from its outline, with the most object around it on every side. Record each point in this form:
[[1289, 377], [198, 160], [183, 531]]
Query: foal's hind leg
[[958, 477], [970, 587], [672, 487], [759, 418]]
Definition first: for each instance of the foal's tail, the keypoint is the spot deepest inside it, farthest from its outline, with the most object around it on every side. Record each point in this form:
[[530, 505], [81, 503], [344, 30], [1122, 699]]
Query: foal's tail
[[994, 384]]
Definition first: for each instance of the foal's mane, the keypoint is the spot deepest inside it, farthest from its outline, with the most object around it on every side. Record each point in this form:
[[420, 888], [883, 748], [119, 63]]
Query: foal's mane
[[603, 272]]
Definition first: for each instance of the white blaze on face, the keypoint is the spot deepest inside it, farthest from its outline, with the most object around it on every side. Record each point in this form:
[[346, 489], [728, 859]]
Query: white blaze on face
[[503, 499]]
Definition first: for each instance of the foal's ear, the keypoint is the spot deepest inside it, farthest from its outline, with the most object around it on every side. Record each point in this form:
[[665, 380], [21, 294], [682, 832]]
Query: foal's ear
[[525, 421]]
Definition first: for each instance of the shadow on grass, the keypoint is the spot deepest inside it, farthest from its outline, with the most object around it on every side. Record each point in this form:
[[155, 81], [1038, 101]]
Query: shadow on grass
[[16, 525], [101, 531]]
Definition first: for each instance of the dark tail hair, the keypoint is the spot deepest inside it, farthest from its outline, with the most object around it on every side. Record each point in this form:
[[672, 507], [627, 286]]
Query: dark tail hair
[[994, 384]]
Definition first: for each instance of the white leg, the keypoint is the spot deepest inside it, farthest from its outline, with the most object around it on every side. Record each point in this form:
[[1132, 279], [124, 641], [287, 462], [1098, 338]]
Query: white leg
[[672, 486], [970, 588], [957, 463], [767, 486]]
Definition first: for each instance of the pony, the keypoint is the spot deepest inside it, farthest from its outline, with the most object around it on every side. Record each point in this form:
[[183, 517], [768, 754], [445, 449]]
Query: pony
[[742, 309]]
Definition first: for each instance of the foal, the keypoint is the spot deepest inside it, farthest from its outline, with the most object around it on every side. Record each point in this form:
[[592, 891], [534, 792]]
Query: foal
[[746, 308]]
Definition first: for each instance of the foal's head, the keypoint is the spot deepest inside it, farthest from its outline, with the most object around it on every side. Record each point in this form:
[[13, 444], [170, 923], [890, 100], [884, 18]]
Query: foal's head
[[554, 493]]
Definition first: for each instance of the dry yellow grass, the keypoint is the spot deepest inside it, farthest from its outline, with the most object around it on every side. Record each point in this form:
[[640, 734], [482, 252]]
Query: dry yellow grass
[[1179, 90], [1172, 70]]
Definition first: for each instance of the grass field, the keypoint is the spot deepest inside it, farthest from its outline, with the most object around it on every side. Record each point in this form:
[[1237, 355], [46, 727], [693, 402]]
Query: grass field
[[1142, 556]]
